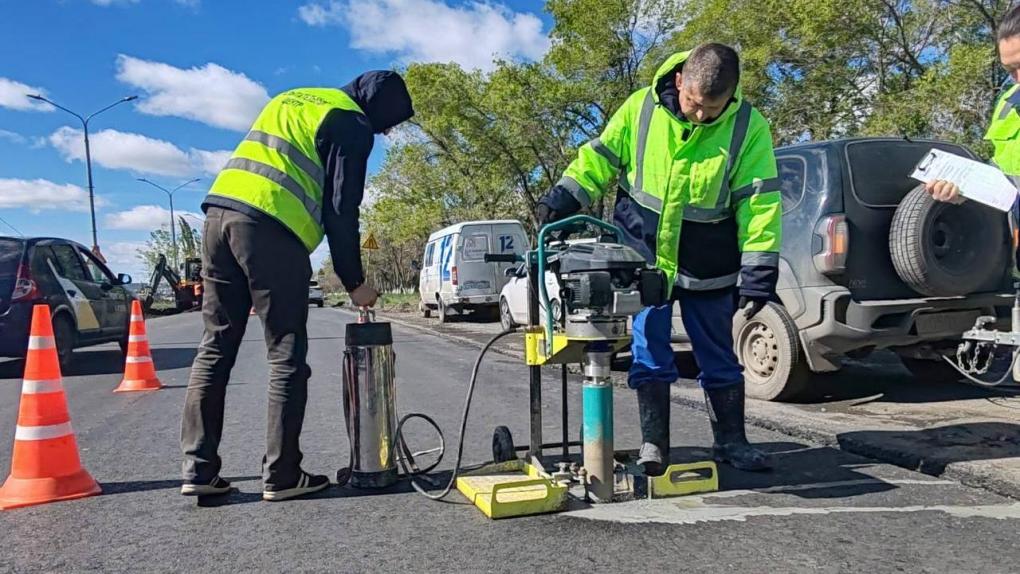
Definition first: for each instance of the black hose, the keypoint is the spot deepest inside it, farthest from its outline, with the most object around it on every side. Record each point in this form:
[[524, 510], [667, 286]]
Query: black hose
[[398, 438]]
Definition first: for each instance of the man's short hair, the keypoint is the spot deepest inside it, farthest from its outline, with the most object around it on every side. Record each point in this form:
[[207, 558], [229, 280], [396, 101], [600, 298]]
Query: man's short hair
[[1010, 25], [713, 69]]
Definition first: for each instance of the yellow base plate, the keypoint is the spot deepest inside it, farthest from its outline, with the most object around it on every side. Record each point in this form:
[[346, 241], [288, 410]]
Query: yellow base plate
[[513, 488], [682, 479]]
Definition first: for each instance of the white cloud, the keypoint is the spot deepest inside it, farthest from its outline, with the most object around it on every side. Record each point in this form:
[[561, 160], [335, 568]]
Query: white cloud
[[39, 194], [13, 137], [145, 218], [210, 94], [112, 2], [118, 150], [316, 14], [122, 256], [210, 162], [137, 153], [471, 35], [14, 95]]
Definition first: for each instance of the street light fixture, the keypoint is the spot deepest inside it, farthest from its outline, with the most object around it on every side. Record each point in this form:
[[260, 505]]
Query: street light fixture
[[173, 222], [88, 155]]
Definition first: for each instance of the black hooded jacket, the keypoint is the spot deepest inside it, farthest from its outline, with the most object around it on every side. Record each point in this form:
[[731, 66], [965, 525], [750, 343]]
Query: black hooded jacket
[[344, 141]]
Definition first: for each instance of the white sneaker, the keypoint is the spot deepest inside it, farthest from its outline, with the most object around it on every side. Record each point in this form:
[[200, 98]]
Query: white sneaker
[[306, 484], [216, 486]]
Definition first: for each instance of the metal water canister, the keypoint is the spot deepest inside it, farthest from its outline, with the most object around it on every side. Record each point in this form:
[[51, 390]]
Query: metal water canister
[[369, 403]]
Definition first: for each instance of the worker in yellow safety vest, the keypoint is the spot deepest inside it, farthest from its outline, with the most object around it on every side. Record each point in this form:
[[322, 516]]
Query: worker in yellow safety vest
[[1004, 129], [296, 177], [698, 195]]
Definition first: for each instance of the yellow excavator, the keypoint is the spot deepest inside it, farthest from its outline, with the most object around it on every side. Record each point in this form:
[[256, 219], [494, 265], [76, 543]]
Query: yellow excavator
[[186, 288]]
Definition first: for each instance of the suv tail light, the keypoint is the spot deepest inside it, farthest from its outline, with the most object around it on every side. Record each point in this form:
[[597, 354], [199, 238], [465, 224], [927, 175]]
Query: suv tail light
[[831, 244], [453, 275], [24, 287]]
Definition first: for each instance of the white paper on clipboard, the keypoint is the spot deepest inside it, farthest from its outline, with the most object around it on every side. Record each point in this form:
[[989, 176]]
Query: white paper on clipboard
[[978, 181]]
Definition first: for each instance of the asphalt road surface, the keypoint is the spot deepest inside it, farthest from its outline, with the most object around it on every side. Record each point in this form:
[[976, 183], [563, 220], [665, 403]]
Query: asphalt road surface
[[821, 511]]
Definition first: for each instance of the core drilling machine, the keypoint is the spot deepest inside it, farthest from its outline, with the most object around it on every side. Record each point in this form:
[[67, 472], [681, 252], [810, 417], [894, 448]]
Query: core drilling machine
[[602, 284]]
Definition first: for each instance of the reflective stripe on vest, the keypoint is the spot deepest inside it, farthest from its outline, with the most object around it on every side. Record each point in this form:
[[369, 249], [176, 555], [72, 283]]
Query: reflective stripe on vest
[[694, 284], [282, 179], [283, 146], [722, 205], [1009, 103]]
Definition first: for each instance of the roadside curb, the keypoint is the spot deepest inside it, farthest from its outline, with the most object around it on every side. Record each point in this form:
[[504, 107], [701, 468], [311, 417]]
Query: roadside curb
[[837, 431]]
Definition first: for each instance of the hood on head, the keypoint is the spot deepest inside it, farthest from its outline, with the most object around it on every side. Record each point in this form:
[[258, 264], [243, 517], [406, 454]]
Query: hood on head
[[383, 96]]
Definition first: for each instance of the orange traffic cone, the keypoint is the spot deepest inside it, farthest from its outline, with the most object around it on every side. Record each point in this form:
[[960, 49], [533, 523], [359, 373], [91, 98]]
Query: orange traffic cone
[[45, 466], [139, 373]]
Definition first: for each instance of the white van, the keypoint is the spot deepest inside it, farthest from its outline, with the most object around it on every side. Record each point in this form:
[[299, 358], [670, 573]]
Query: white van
[[454, 274]]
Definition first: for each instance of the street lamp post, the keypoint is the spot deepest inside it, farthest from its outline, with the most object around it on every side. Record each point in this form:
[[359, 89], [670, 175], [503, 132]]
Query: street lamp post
[[88, 154], [173, 221]]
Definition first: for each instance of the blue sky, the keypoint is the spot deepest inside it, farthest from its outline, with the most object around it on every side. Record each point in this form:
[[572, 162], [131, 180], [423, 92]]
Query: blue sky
[[202, 69]]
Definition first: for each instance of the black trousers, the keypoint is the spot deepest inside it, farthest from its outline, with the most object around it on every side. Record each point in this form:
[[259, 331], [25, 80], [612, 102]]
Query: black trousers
[[249, 262]]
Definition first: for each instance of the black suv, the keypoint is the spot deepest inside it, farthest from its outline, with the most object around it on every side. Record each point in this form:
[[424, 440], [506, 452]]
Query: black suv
[[869, 261], [89, 305]]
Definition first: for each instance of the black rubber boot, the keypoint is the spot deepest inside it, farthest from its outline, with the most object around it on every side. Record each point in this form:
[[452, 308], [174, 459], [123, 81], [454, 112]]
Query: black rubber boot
[[653, 406], [726, 411]]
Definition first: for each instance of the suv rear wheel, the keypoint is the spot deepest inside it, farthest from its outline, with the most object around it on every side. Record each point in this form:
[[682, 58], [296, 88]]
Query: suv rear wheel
[[767, 346]]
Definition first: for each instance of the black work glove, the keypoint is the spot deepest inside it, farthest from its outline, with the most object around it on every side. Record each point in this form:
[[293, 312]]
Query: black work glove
[[545, 215], [751, 306]]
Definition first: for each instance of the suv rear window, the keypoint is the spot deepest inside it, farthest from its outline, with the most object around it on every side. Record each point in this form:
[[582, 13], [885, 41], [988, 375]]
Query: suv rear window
[[880, 170], [792, 178]]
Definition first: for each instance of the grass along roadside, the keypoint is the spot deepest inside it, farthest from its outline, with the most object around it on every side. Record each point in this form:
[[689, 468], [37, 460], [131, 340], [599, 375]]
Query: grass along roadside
[[400, 302]]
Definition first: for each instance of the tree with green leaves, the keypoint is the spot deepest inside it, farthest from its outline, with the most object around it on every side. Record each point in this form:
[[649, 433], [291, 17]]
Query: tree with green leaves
[[189, 244], [489, 145]]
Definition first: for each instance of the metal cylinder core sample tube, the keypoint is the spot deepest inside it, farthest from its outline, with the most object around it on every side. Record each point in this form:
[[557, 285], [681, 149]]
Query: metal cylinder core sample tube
[[369, 404]]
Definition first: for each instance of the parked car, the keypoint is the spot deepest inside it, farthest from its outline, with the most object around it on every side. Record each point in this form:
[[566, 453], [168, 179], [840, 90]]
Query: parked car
[[454, 275], [89, 305], [869, 261], [315, 293], [513, 298]]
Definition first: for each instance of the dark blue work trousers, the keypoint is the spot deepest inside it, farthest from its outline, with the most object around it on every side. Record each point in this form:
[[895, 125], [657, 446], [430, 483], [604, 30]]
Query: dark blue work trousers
[[708, 320]]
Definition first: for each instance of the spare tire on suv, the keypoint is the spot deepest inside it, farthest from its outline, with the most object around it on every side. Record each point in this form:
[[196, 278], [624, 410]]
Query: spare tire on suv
[[945, 250]]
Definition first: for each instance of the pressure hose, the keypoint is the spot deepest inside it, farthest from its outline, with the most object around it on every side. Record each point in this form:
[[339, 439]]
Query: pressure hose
[[399, 436]]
